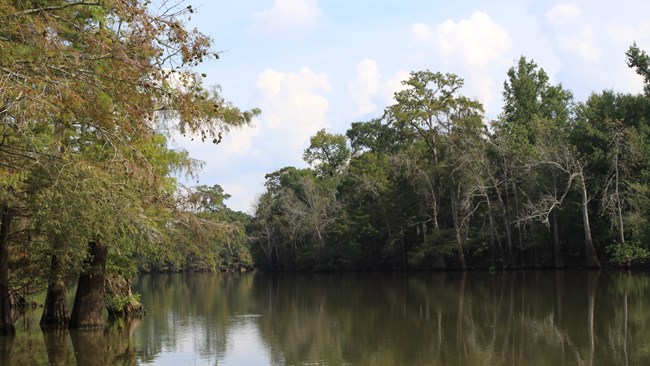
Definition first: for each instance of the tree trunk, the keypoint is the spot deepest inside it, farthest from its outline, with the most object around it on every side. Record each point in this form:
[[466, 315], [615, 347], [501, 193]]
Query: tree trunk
[[89, 300], [493, 233], [505, 208], [434, 206], [6, 322], [592, 257], [619, 209], [459, 240], [557, 247], [520, 235], [506, 224], [268, 250], [55, 311]]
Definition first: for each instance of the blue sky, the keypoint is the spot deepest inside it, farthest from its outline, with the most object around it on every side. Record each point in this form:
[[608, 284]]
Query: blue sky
[[313, 64]]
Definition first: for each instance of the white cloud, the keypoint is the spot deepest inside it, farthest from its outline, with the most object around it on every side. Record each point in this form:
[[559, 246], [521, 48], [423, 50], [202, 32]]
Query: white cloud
[[574, 35], [620, 76], [475, 47], [563, 14], [423, 32], [365, 86], [235, 143], [393, 85], [239, 142], [581, 42], [292, 109], [627, 33], [287, 16], [475, 41], [243, 190]]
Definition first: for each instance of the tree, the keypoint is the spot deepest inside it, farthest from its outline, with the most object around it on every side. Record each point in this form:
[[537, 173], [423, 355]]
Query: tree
[[612, 131], [621, 155], [327, 154], [211, 199], [374, 136], [533, 110], [212, 235], [432, 109], [428, 183], [90, 85], [640, 61]]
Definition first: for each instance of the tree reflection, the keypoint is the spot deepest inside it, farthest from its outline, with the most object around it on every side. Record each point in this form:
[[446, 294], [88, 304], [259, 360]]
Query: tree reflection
[[454, 318], [200, 305], [439, 319], [111, 346], [56, 345]]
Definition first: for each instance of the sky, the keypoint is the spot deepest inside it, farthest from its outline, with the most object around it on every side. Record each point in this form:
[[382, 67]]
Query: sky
[[314, 64]]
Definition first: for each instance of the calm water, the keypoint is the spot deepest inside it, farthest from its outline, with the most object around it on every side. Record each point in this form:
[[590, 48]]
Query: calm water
[[532, 318]]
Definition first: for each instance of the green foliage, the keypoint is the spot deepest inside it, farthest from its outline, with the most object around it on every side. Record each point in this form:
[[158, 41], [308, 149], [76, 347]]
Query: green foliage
[[118, 301], [202, 235], [434, 252], [640, 61], [375, 137], [629, 253], [427, 185], [327, 153], [89, 94]]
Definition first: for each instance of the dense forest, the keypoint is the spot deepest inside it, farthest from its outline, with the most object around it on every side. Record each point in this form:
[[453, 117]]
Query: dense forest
[[431, 184], [92, 92]]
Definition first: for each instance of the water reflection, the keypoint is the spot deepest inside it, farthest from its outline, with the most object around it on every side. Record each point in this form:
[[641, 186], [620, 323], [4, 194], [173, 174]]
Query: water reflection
[[572, 318], [56, 345], [531, 318]]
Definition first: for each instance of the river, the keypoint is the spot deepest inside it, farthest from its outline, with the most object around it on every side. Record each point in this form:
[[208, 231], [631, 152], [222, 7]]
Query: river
[[451, 318]]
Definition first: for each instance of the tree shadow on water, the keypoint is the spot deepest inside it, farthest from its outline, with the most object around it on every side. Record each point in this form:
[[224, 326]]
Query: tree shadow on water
[[112, 345], [56, 345]]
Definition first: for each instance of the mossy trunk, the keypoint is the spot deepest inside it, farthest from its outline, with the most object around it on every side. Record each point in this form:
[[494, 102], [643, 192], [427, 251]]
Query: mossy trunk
[[120, 301], [89, 300]]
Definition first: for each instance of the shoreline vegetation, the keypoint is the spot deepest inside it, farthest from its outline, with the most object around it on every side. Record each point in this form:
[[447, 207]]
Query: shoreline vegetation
[[90, 94], [430, 184]]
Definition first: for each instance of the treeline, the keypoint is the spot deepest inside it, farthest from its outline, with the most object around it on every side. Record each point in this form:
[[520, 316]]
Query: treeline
[[89, 94], [430, 184]]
